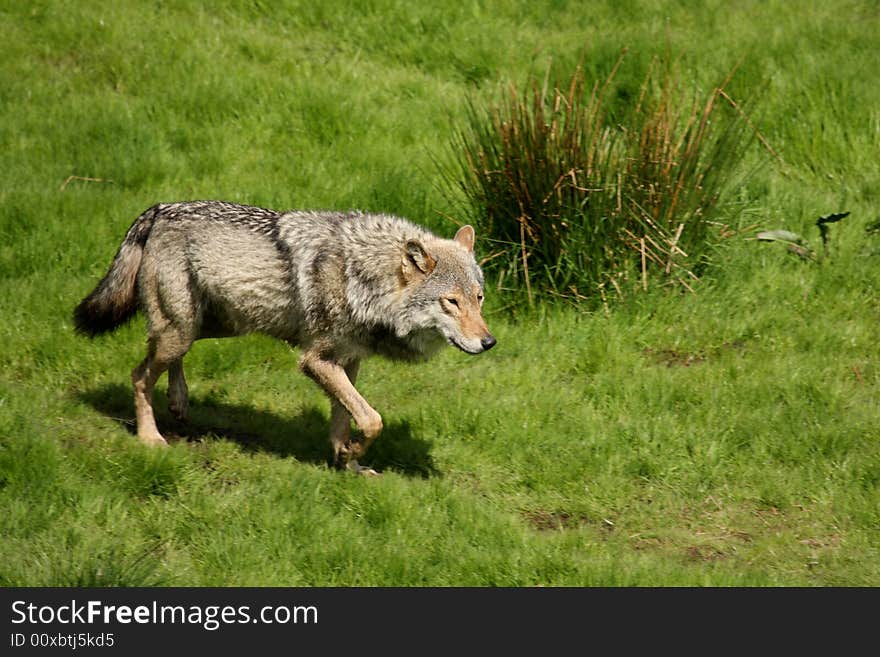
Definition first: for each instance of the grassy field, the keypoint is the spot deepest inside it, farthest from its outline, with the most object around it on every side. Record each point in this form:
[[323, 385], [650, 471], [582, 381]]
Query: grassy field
[[725, 437]]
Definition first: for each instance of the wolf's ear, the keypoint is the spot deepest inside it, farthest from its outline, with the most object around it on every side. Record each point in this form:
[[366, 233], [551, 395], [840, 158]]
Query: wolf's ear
[[465, 236], [416, 259]]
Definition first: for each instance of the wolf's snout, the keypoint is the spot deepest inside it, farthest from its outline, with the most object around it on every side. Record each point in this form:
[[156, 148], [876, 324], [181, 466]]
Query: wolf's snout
[[488, 342]]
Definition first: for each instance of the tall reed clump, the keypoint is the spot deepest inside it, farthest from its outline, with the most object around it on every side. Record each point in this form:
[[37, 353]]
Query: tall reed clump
[[575, 205]]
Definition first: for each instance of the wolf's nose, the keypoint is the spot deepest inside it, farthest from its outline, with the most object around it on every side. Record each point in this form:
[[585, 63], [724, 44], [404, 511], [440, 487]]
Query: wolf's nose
[[488, 342]]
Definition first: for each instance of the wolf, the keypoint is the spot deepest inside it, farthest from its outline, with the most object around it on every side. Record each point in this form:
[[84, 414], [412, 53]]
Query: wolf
[[341, 286]]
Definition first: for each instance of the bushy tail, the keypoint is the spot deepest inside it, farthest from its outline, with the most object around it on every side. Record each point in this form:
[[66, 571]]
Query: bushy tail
[[115, 299]]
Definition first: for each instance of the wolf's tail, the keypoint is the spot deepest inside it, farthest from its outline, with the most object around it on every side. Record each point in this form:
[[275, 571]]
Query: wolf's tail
[[115, 299]]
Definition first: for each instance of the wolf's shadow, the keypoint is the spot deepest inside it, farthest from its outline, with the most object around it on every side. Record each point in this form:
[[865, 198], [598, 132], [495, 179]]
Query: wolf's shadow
[[303, 437]]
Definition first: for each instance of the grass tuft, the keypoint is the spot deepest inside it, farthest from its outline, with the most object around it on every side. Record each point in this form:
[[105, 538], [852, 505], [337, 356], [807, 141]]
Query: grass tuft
[[574, 203]]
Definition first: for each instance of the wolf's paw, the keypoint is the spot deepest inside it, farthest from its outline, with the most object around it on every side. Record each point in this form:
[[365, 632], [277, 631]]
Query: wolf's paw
[[357, 468], [180, 410], [153, 440]]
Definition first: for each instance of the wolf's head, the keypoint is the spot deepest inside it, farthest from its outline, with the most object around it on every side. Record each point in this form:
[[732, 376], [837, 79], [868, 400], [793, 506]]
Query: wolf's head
[[446, 290]]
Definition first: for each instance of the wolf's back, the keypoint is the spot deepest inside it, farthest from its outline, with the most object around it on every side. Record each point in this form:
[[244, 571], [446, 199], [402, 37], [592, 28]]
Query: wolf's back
[[115, 299]]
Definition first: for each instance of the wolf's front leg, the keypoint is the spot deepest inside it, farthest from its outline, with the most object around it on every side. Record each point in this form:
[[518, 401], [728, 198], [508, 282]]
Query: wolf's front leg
[[346, 404], [344, 448]]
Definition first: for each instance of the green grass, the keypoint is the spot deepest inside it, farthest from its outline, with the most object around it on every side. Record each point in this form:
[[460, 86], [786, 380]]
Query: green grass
[[726, 437]]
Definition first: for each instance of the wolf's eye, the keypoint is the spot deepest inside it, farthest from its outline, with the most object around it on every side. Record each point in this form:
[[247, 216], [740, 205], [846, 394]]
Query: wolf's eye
[[452, 301]]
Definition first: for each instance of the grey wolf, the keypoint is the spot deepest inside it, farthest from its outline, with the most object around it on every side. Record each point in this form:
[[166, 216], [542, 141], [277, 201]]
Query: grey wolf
[[340, 286]]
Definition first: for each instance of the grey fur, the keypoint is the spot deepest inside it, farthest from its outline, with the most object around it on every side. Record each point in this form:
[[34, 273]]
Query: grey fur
[[341, 286]]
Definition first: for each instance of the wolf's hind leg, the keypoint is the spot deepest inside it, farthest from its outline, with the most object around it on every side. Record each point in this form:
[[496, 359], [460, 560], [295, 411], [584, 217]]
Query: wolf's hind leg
[[178, 393], [143, 378], [164, 349]]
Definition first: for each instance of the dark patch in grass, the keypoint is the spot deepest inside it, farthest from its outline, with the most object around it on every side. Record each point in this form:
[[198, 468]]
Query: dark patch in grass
[[704, 553], [544, 520], [647, 543], [676, 358], [694, 553], [823, 542], [303, 437]]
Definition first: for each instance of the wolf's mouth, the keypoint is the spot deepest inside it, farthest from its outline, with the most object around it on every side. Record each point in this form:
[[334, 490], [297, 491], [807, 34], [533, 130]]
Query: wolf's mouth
[[455, 343]]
